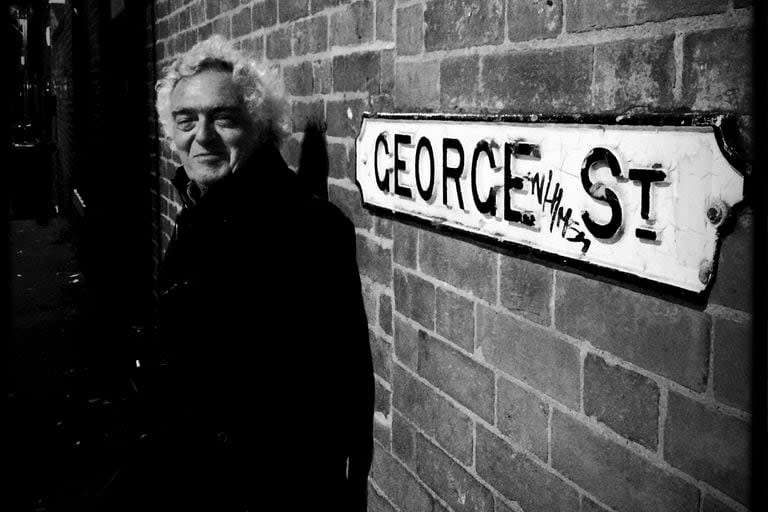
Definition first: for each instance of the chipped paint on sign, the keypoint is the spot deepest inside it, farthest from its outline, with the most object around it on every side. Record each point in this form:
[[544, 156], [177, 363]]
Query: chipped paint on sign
[[643, 200]]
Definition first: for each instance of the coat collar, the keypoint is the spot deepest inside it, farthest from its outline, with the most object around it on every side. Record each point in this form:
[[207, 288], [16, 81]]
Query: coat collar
[[264, 170]]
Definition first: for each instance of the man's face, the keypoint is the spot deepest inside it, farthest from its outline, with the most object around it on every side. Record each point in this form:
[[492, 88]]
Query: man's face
[[211, 128]]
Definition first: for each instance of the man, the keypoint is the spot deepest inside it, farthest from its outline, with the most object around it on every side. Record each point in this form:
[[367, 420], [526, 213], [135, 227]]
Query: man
[[267, 382]]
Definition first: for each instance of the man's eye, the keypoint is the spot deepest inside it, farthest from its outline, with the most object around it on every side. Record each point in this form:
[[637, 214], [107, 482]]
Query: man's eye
[[226, 121], [185, 124]]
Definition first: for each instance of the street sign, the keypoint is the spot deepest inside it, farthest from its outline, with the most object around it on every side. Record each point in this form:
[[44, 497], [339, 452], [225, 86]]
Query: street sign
[[645, 200]]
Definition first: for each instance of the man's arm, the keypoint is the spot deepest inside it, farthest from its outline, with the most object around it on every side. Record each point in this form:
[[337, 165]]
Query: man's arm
[[361, 377]]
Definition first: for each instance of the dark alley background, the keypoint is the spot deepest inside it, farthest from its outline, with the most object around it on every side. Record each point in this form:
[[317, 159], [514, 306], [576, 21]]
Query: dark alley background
[[80, 253]]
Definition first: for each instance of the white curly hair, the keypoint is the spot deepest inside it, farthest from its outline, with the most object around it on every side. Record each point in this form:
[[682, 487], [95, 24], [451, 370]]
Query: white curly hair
[[263, 91]]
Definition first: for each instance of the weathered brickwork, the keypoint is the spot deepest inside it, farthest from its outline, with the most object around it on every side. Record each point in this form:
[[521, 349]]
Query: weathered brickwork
[[505, 382]]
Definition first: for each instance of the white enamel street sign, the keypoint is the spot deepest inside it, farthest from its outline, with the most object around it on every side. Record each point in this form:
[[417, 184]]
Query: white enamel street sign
[[642, 200]]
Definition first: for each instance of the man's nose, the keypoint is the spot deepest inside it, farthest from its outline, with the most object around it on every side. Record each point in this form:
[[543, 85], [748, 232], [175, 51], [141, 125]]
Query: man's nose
[[206, 132]]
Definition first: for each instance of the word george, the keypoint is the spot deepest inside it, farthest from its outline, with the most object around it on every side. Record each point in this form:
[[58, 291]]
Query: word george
[[448, 177]]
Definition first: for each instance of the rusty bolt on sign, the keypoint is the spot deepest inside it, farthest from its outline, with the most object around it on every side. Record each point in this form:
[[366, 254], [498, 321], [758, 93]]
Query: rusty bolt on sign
[[717, 212]]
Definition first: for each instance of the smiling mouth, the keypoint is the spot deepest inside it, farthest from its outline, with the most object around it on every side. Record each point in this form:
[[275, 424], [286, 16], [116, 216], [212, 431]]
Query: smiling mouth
[[209, 156]]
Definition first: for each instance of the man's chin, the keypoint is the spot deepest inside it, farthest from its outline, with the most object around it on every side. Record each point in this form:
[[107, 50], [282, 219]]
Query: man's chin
[[207, 175]]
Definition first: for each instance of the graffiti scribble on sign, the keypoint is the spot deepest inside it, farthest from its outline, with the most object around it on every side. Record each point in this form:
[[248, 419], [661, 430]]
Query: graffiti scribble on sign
[[558, 215]]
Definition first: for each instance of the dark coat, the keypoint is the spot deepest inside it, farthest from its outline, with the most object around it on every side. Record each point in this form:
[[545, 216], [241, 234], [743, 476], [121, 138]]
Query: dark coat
[[266, 391]]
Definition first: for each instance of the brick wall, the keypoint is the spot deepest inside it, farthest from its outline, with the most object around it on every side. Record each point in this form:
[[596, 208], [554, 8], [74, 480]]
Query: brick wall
[[506, 382]]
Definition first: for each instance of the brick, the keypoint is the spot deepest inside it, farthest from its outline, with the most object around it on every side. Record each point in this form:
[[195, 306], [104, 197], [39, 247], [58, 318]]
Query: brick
[[161, 9], [196, 14], [191, 38], [255, 46], [384, 102], [417, 85], [538, 19], [352, 25], [415, 298], [222, 26], [461, 264], [532, 354], [410, 29], [459, 82], [449, 480], [301, 112], [458, 375], [279, 43], [715, 64], [708, 445], [557, 80], [635, 73], [403, 438], [350, 203], [463, 23], [322, 76], [434, 415], [356, 72], [241, 22], [162, 29], [374, 260], [298, 79], [404, 245], [615, 475], [383, 225], [381, 351], [734, 286], [369, 302], [344, 117], [383, 399], [387, 63], [292, 9], [385, 314], [178, 43], [397, 483], [382, 414], [520, 479], [384, 25], [596, 14], [173, 25], [588, 505], [340, 166], [455, 319], [319, 5], [264, 14], [732, 379], [407, 343], [203, 32], [377, 503], [712, 504], [622, 399], [523, 417], [229, 5], [500, 505], [526, 288], [310, 36], [212, 9], [665, 338], [184, 19]]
